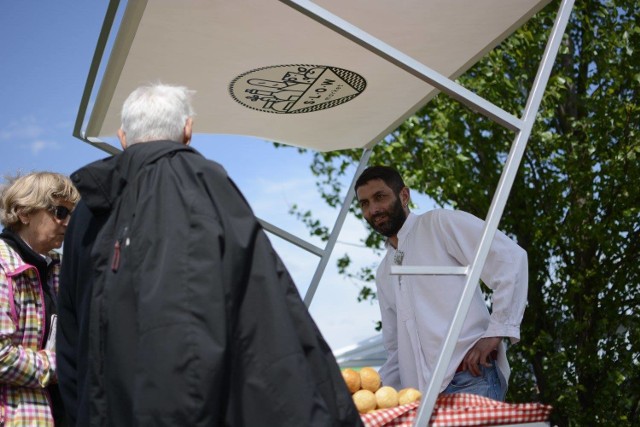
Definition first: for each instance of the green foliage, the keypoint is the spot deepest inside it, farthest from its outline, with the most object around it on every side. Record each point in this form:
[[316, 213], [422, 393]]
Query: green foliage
[[575, 205], [314, 225]]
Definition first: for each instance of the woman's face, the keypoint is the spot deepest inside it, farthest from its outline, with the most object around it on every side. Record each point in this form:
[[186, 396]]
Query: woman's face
[[43, 229]]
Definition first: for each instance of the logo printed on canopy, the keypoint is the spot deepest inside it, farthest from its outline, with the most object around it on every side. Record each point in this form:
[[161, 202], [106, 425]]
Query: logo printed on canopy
[[292, 89]]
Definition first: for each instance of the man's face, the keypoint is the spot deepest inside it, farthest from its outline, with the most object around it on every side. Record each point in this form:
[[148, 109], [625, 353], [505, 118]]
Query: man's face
[[381, 207]]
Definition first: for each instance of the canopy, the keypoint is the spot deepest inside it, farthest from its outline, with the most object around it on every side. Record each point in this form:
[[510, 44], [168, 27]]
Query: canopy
[[326, 75], [368, 352], [264, 69]]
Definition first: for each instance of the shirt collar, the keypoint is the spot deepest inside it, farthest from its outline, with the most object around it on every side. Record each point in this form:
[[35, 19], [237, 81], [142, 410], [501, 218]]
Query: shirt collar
[[404, 230]]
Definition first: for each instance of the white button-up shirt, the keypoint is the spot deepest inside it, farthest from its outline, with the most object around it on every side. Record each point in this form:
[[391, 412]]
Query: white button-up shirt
[[417, 310]]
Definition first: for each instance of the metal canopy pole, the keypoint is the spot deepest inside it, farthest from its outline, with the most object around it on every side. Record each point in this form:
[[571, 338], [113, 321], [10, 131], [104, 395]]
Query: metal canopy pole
[[522, 127], [337, 227], [406, 63], [496, 209], [291, 238], [103, 38]]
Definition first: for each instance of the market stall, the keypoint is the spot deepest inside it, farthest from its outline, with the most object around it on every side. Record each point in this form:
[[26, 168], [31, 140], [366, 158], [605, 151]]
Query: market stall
[[325, 75]]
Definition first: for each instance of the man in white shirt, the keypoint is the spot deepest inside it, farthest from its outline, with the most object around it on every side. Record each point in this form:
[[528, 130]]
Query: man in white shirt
[[417, 310]]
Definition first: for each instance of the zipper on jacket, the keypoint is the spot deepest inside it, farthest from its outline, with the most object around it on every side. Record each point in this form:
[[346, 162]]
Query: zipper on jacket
[[115, 262]]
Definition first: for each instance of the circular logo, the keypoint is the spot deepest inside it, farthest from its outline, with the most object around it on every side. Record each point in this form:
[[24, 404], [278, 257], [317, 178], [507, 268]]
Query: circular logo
[[293, 89]]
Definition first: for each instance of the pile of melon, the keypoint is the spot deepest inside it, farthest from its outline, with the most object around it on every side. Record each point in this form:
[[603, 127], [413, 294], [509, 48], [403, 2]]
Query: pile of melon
[[369, 394]]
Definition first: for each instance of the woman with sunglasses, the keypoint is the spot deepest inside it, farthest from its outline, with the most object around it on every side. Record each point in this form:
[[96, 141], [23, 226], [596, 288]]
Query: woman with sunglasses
[[34, 210]]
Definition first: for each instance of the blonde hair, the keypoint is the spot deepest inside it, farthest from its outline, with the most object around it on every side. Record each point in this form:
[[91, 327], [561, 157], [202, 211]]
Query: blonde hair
[[37, 190]]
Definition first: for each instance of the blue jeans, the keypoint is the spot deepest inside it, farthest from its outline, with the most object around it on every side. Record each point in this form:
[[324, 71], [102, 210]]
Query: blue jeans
[[487, 384]]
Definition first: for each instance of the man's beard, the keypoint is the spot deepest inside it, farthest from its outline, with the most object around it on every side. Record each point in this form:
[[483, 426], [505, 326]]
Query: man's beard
[[395, 220]]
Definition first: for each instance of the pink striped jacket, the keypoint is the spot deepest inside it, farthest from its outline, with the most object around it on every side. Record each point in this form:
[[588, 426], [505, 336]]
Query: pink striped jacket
[[25, 368]]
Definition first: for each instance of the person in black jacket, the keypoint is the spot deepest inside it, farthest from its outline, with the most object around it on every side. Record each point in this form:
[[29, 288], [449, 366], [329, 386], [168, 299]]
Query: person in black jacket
[[174, 307]]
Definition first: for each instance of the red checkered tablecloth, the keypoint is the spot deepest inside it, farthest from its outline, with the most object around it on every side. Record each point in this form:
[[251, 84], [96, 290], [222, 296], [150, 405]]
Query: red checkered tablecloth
[[458, 410]]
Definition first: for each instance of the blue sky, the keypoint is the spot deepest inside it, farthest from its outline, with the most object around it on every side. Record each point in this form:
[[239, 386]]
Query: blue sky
[[45, 52], [46, 49]]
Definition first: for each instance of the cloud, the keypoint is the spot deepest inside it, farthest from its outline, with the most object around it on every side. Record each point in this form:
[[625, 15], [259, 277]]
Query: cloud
[[281, 195], [26, 134], [25, 128], [341, 319], [298, 185], [40, 145]]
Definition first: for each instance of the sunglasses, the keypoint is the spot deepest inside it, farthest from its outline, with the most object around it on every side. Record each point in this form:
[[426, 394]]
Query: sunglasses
[[60, 212]]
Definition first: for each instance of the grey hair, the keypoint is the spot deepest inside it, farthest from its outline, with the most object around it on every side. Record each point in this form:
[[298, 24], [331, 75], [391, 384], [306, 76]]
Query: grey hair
[[156, 112]]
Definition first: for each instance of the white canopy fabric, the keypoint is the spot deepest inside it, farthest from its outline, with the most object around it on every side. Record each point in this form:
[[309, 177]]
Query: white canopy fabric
[[342, 76], [263, 69]]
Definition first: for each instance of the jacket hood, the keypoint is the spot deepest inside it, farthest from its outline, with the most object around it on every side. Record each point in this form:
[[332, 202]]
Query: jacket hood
[[101, 182]]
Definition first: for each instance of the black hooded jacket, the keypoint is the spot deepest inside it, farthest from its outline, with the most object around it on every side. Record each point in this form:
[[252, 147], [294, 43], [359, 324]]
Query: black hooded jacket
[[183, 314]]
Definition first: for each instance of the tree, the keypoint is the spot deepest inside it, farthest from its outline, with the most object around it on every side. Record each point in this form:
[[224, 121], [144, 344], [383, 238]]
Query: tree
[[575, 205]]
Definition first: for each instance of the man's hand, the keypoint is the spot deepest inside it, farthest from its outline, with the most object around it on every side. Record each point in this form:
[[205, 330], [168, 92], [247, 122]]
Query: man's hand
[[480, 354]]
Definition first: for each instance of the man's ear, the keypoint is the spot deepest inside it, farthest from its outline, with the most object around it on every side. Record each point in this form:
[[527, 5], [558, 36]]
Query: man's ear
[[188, 126], [123, 138], [405, 196]]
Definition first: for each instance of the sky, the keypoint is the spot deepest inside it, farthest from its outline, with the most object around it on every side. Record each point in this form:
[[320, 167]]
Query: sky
[[46, 49]]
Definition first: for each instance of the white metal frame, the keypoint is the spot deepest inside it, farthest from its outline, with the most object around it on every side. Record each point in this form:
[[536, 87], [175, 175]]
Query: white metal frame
[[521, 126]]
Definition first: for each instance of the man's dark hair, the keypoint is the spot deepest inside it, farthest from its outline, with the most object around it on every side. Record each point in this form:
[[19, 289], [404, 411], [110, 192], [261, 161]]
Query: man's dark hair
[[390, 176]]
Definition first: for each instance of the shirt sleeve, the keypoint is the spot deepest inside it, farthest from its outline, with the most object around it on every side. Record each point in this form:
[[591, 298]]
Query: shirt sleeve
[[505, 270], [19, 365]]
